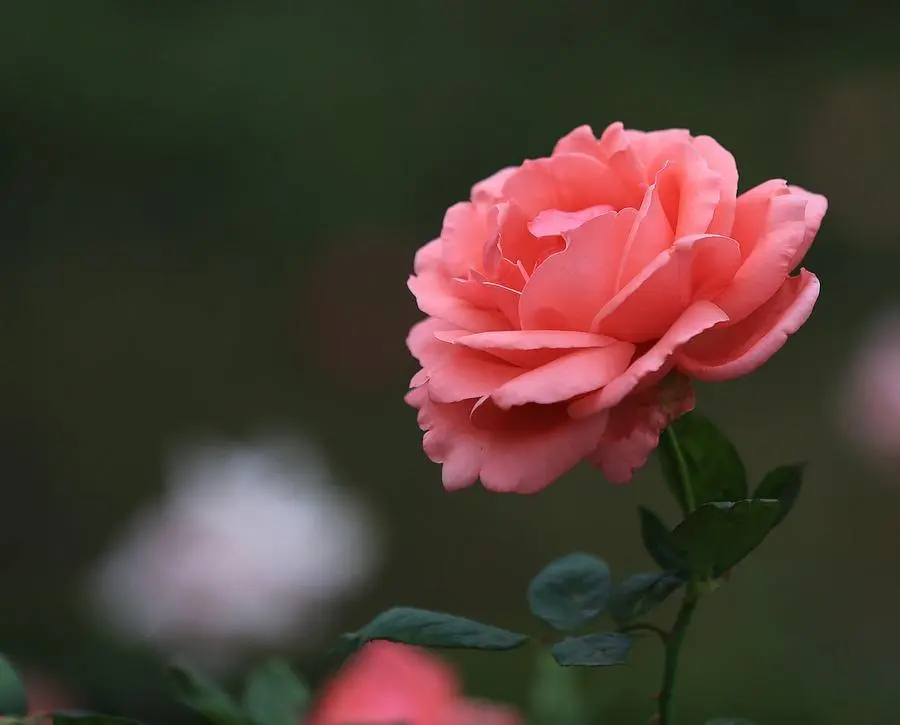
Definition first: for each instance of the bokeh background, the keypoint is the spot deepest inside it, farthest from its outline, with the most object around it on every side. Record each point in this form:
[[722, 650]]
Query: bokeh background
[[208, 213]]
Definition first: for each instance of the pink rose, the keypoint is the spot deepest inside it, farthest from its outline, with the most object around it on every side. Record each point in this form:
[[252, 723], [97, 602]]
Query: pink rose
[[572, 299], [394, 684]]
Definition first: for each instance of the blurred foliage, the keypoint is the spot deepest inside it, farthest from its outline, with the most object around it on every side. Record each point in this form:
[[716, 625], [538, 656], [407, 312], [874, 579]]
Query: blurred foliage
[[209, 209]]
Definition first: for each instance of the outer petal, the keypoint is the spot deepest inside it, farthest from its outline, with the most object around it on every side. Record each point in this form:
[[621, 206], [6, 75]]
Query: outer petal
[[570, 287], [816, 206], [734, 350], [528, 460], [490, 190], [450, 438], [694, 268], [436, 296], [518, 451], [466, 230], [453, 372], [634, 428], [722, 162], [696, 319], [574, 374], [752, 211], [770, 260]]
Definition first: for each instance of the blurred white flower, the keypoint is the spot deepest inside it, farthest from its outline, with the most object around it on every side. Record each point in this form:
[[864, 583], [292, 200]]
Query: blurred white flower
[[869, 409], [252, 547]]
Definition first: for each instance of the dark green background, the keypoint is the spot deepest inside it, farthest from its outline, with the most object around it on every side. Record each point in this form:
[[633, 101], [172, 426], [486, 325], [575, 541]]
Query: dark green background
[[208, 213]]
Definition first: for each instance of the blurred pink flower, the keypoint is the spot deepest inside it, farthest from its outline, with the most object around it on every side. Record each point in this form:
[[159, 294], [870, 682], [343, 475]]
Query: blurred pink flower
[[869, 409], [388, 684], [562, 295], [254, 546]]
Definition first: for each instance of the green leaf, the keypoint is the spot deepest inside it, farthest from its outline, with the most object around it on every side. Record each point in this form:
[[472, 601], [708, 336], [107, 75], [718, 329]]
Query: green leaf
[[783, 484], [569, 592], [728, 721], [13, 700], [555, 695], [713, 466], [205, 696], [436, 629], [658, 541], [88, 718], [718, 535], [275, 695], [593, 650], [640, 593]]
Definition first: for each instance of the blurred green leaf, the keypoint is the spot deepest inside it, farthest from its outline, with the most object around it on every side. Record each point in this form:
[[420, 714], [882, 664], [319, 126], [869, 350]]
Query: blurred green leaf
[[640, 593], [729, 721], [425, 628], [593, 650], [718, 535], [570, 591], [205, 696], [712, 464], [275, 695], [13, 700], [783, 484], [555, 695], [658, 541]]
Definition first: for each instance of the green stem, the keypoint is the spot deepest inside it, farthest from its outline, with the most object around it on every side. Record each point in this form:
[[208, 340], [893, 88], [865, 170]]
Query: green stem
[[689, 502], [673, 644], [675, 637]]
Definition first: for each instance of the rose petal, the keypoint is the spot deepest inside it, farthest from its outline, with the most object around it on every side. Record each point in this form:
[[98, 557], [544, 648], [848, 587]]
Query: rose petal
[[533, 447], [450, 438], [722, 163], [528, 461], [735, 350], [528, 348], [570, 287], [690, 191], [568, 182], [650, 235], [816, 206], [436, 296], [695, 267], [552, 222], [634, 428], [699, 317], [490, 190], [466, 230], [531, 340], [769, 262], [574, 374]]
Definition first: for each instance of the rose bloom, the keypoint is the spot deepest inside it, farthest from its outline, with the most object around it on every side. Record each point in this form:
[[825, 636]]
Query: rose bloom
[[394, 684], [572, 299]]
